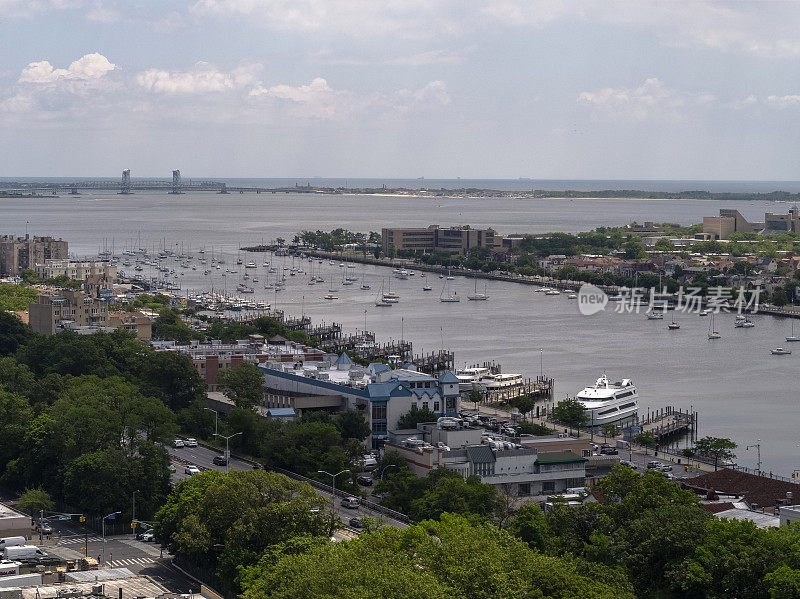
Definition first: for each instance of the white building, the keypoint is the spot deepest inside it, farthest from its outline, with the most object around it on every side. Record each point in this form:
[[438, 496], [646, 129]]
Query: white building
[[77, 270]]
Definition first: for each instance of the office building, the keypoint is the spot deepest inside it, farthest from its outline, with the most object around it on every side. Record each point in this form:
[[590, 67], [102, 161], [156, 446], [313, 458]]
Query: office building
[[454, 240], [66, 309]]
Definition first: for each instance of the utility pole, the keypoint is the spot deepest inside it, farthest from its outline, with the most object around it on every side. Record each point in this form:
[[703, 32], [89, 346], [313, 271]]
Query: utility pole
[[133, 513], [758, 447], [333, 494]]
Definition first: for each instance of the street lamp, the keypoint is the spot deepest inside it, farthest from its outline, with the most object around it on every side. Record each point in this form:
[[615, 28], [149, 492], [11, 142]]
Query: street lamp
[[333, 495], [758, 447], [385, 467], [216, 415], [111, 516], [227, 448]]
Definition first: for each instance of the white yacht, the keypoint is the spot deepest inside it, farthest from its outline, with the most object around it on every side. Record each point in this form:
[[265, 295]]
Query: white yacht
[[609, 402], [467, 377], [494, 382]]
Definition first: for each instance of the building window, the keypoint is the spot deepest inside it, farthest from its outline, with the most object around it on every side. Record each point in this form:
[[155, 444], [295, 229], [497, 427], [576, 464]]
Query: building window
[[436, 406], [549, 486], [379, 411], [425, 405]]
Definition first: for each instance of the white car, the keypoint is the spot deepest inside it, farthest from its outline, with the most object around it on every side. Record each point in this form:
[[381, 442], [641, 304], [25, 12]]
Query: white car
[[178, 443], [191, 469], [172, 468], [147, 537], [190, 442]]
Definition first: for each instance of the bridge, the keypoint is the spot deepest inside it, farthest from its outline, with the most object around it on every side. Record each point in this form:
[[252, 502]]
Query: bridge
[[126, 186]]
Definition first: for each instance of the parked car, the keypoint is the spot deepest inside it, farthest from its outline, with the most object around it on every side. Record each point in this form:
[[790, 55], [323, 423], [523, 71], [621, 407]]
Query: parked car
[[364, 480], [220, 460], [608, 451], [356, 522], [147, 537], [256, 466], [665, 467], [351, 503], [178, 443], [629, 464], [654, 465], [191, 469], [45, 529], [190, 442]]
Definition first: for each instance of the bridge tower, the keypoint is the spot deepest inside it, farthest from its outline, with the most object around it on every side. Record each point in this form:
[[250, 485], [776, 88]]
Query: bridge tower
[[176, 182], [126, 182]]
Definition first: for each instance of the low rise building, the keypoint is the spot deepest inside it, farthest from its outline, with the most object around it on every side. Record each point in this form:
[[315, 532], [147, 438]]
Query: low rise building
[[65, 309], [13, 523], [135, 322], [546, 466], [21, 253], [77, 270], [383, 395], [209, 358]]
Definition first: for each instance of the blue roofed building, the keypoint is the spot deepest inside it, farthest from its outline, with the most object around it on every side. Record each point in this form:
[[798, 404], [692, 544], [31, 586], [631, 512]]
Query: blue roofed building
[[381, 394]]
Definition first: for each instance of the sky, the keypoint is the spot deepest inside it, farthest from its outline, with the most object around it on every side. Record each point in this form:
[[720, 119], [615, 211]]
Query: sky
[[546, 89]]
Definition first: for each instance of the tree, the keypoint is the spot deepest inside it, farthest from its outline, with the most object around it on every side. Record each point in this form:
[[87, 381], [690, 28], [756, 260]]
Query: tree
[[433, 560], [533, 428], [571, 412], [524, 404], [169, 325], [715, 448], [13, 333], [634, 250], [416, 415], [664, 245], [33, 501], [352, 425], [243, 385], [530, 525], [609, 429], [645, 439], [784, 583], [224, 522], [475, 396]]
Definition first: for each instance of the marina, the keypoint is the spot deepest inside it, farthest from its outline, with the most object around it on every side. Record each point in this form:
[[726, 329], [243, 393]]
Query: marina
[[527, 332]]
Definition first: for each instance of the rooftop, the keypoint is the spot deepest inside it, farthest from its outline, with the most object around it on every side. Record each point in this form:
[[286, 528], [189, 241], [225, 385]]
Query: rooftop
[[559, 457]]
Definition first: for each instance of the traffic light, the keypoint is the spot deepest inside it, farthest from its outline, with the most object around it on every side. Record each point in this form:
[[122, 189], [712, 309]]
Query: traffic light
[[686, 468], [83, 518]]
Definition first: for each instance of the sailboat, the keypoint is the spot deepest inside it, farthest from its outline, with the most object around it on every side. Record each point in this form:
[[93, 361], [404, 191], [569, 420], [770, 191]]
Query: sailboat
[[381, 301], [475, 297], [712, 333], [673, 326], [446, 297], [792, 338]]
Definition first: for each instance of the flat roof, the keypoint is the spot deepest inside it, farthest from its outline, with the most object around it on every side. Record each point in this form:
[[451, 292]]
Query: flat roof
[[7, 513], [558, 457]]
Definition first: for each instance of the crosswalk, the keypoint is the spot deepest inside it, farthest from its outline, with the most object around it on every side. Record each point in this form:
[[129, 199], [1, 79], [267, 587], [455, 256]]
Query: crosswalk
[[131, 561], [74, 540]]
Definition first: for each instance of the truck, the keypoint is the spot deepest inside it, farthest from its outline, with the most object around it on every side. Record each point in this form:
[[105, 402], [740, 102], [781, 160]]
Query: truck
[[23, 553], [12, 542], [9, 568]]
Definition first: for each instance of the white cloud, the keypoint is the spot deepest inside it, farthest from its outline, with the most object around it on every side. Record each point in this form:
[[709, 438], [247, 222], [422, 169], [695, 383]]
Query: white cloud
[[318, 100], [528, 13], [784, 101], [101, 13], [651, 100], [433, 57], [202, 79], [360, 18], [89, 67]]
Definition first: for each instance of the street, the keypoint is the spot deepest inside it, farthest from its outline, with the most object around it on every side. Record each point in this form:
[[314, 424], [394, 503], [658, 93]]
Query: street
[[202, 457]]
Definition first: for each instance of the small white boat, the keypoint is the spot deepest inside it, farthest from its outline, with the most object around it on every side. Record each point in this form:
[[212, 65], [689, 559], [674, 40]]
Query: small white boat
[[673, 326], [705, 312], [572, 296], [712, 333], [553, 292], [427, 288], [779, 351], [792, 338], [655, 316], [330, 296]]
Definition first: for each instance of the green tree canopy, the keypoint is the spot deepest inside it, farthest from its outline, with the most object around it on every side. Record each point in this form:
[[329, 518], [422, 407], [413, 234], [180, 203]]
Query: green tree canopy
[[451, 559], [244, 385], [571, 412], [416, 415], [715, 448], [33, 501]]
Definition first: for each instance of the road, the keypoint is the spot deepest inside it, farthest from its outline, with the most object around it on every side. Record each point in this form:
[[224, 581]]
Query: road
[[202, 457], [121, 551]]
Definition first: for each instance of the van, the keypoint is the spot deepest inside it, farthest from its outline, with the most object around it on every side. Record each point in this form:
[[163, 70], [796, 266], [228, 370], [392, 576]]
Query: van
[[11, 542], [23, 553], [370, 464], [351, 503]]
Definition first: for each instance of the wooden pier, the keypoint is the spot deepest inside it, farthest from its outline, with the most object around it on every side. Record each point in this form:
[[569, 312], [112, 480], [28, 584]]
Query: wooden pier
[[668, 423], [435, 362], [539, 388]]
